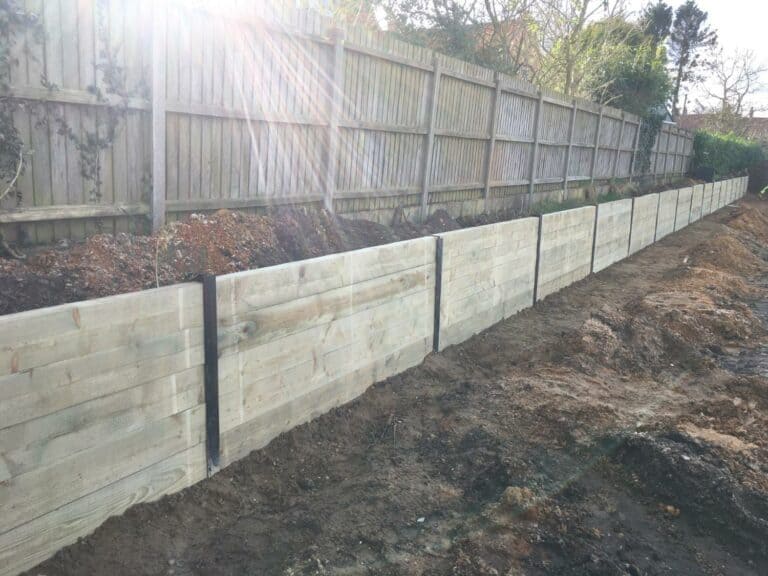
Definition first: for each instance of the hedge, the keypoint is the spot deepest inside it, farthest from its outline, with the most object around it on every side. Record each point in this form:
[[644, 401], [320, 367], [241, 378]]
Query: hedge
[[727, 154]]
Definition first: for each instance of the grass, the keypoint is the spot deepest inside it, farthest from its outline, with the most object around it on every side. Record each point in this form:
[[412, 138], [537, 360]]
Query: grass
[[548, 206]]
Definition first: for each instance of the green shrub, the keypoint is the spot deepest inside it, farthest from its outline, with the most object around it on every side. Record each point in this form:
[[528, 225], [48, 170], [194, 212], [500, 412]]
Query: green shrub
[[550, 205], [727, 154]]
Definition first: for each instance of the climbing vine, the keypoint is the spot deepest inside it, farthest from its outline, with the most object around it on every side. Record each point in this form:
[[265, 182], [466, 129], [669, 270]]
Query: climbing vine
[[113, 96], [17, 27], [649, 130], [20, 28]]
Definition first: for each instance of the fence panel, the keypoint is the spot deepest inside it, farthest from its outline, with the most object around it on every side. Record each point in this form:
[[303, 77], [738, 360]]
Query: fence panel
[[251, 108]]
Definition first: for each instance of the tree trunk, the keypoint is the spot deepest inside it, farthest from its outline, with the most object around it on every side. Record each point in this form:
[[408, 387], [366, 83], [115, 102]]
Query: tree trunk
[[676, 92]]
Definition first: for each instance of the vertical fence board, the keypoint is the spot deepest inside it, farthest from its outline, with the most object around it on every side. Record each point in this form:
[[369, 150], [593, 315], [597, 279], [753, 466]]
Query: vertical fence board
[[249, 120]]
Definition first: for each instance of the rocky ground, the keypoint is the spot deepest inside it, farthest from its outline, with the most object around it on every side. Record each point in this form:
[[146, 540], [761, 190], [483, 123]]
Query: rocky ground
[[619, 428]]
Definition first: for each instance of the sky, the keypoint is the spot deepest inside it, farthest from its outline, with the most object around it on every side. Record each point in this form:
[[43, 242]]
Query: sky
[[740, 24]]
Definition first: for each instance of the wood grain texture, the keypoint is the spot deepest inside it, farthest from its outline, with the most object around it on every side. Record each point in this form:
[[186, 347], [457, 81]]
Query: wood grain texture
[[269, 108], [612, 229], [565, 249], [101, 406], [488, 275], [299, 338]]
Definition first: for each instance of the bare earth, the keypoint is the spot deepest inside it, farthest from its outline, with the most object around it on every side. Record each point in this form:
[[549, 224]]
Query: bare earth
[[619, 428]]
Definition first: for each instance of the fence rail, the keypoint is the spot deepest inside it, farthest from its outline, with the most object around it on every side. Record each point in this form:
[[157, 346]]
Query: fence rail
[[245, 111]]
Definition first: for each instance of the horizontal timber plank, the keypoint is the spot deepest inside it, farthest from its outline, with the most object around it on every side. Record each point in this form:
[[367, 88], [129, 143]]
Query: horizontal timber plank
[[69, 96], [212, 111], [27, 545], [41, 490], [71, 212], [44, 441], [234, 203]]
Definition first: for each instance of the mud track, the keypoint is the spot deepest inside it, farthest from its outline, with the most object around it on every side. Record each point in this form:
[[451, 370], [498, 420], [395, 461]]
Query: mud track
[[618, 428]]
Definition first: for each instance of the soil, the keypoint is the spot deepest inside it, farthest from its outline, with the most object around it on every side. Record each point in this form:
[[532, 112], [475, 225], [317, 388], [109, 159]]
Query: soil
[[620, 427], [220, 243]]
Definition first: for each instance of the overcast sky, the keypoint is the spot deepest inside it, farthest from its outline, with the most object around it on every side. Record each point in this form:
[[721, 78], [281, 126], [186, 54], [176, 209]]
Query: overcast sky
[[740, 24]]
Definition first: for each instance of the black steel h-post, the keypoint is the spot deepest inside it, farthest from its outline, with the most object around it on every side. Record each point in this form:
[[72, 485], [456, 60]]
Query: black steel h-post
[[211, 348]]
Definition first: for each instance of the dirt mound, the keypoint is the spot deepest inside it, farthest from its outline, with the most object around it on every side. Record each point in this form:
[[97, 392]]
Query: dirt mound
[[307, 234], [681, 470], [441, 221], [659, 329], [22, 288], [727, 253], [220, 243], [217, 243], [695, 320], [105, 264], [721, 284], [752, 221]]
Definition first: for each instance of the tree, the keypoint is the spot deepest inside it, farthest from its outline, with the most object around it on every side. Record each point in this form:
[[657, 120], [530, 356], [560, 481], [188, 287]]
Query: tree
[[511, 39], [690, 38], [734, 77], [625, 68], [353, 12], [656, 21], [562, 25], [492, 33]]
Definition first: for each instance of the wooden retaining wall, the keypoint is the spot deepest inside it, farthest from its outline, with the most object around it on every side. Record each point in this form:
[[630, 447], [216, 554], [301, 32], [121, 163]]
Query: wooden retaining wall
[[697, 203], [565, 249], [665, 223], [103, 403], [644, 216], [298, 339], [101, 407], [683, 213], [488, 275], [612, 230]]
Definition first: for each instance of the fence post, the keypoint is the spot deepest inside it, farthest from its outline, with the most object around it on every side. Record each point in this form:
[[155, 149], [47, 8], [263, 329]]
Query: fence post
[[666, 155], [491, 139], [159, 31], [430, 137], [596, 148], [618, 146], [568, 151], [336, 92], [535, 153], [634, 151]]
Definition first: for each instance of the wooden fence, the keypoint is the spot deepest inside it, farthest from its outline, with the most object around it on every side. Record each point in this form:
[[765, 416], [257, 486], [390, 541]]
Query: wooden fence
[[222, 110]]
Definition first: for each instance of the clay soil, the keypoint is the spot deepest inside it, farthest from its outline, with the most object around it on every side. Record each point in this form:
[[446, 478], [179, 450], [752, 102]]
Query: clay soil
[[618, 428]]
